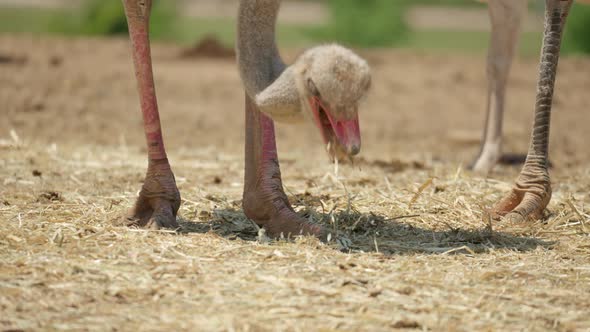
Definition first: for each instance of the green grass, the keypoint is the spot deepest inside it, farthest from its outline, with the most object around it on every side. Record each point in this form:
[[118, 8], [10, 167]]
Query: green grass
[[578, 30], [30, 20], [185, 30], [189, 30], [349, 24]]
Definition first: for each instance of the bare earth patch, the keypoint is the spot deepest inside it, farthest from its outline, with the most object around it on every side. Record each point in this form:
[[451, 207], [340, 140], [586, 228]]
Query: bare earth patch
[[424, 254]]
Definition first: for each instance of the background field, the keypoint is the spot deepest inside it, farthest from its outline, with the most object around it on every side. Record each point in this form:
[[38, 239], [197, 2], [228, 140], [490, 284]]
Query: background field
[[448, 25], [72, 160]]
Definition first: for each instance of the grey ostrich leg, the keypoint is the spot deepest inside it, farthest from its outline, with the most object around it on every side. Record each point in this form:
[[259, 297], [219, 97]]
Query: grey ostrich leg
[[264, 200], [532, 191], [325, 83], [159, 199], [505, 18]]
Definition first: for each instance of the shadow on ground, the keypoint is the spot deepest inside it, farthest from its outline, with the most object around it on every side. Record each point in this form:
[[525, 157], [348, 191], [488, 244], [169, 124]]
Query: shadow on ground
[[370, 232]]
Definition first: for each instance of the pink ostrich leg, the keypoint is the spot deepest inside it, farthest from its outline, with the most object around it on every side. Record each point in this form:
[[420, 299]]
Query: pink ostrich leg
[[532, 191], [159, 199]]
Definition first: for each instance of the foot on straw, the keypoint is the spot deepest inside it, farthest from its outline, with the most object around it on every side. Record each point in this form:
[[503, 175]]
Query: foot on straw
[[158, 201], [273, 212], [526, 201]]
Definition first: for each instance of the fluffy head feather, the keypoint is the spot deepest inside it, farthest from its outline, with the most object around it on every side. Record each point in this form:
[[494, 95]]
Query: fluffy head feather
[[341, 77]]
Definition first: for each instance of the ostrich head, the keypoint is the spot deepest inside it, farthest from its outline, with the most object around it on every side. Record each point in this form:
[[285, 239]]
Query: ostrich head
[[331, 81]]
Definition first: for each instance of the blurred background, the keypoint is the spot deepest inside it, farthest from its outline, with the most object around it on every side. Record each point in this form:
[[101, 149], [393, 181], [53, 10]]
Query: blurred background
[[68, 63], [416, 24]]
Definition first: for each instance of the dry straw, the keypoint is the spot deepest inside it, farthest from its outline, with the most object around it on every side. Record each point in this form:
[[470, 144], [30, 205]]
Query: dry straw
[[423, 254]]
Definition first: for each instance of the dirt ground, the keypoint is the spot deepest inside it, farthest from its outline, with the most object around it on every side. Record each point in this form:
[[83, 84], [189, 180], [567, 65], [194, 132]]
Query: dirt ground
[[424, 254]]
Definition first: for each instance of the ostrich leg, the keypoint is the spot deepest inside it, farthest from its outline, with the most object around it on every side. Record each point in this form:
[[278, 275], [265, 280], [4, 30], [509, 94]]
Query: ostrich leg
[[264, 200], [532, 190], [505, 18], [159, 199]]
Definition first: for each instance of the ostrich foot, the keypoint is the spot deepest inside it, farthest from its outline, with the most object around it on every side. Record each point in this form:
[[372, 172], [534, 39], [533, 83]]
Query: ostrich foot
[[486, 159], [526, 201], [274, 213], [491, 155], [158, 201]]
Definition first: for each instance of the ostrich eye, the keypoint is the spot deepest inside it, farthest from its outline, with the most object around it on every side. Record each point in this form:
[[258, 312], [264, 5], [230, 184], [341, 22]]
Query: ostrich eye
[[312, 88]]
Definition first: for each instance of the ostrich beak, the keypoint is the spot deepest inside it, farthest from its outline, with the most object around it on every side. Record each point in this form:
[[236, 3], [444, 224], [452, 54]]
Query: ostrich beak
[[343, 136], [349, 134]]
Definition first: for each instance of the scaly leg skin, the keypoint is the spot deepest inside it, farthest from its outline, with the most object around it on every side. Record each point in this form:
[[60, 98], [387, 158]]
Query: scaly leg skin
[[159, 199], [532, 192], [264, 200], [505, 18]]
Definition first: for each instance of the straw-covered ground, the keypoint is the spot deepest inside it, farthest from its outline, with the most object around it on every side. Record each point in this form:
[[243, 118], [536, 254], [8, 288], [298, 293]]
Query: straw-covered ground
[[424, 254]]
